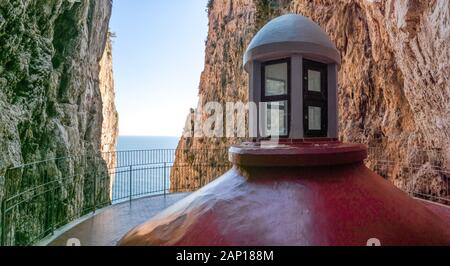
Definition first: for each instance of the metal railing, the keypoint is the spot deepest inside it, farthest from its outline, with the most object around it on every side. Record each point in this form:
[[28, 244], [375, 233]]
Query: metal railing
[[419, 172], [43, 196]]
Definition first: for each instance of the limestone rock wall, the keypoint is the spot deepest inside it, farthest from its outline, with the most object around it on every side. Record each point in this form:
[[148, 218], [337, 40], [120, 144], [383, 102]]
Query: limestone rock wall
[[394, 87], [55, 94], [110, 125], [231, 27]]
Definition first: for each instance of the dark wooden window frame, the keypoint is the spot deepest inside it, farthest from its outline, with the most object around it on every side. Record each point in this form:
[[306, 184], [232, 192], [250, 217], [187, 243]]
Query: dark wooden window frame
[[313, 98], [278, 98]]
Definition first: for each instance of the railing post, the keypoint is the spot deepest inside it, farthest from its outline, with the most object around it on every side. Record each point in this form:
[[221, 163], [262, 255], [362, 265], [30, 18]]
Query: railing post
[[49, 186], [94, 190], [131, 183], [52, 207], [165, 175], [3, 226]]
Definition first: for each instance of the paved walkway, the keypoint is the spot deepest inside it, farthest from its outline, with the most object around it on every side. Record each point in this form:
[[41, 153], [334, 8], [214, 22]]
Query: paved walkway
[[108, 226]]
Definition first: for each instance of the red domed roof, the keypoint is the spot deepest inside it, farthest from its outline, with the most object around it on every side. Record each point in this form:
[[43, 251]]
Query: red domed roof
[[343, 203]]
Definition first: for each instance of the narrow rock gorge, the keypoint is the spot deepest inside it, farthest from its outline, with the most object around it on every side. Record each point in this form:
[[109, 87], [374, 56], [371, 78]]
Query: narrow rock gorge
[[56, 100], [394, 82]]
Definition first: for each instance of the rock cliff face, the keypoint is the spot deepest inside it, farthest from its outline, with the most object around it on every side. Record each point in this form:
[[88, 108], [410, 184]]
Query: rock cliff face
[[394, 82], [110, 125], [56, 100]]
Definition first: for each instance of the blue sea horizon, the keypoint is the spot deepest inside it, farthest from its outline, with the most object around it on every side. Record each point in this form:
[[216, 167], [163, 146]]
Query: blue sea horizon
[[143, 179], [125, 143]]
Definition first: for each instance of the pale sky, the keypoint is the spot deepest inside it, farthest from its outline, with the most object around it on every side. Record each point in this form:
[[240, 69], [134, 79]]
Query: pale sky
[[158, 58]]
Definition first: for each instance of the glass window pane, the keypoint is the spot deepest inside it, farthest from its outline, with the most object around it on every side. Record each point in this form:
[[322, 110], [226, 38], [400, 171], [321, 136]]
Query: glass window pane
[[277, 115], [314, 80], [276, 76], [314, 118]]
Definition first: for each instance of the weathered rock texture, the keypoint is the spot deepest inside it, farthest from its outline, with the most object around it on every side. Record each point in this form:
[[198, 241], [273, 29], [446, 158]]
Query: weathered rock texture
[[110, 125], [394, 82], [51, 106]]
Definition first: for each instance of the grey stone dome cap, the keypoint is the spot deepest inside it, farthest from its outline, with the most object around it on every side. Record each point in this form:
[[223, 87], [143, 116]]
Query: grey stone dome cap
[[292, 34]]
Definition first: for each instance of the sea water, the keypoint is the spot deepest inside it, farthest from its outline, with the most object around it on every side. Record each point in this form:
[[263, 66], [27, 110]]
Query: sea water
[[141, 170]]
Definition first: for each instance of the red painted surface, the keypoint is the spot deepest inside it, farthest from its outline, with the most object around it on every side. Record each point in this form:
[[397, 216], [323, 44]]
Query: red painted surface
[[304, 153], [331, 203]]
